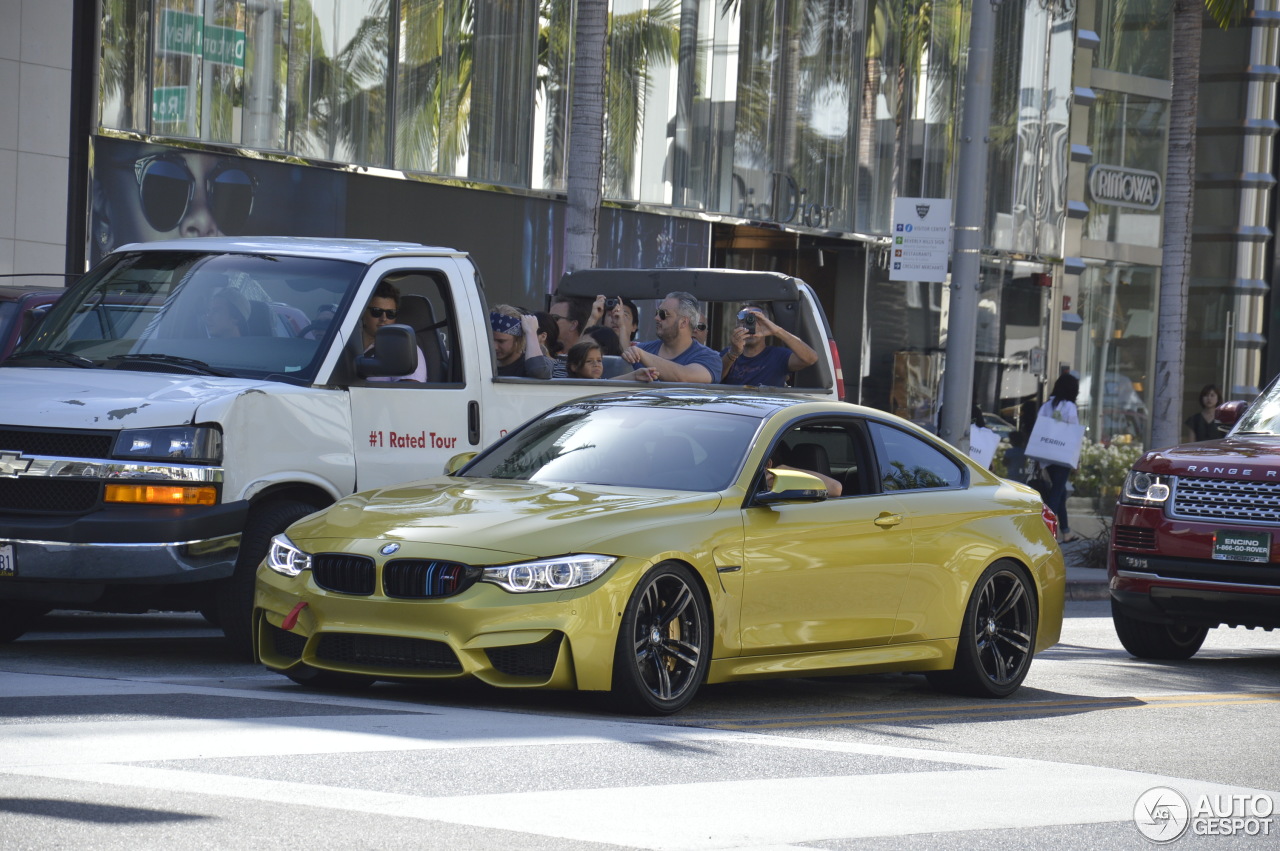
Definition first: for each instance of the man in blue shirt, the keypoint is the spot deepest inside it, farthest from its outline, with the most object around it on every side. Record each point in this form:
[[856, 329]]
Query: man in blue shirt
[[748, 360], [675, 355]]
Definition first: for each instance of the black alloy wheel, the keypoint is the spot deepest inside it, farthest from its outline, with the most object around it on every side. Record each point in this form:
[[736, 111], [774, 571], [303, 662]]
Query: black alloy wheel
[[997, 638], [664, 643]]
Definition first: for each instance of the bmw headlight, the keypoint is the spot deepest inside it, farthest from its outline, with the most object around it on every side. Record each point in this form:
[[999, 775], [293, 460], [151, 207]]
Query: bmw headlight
[[1145, 488], [198, 444], [285, 558], [552, 574]]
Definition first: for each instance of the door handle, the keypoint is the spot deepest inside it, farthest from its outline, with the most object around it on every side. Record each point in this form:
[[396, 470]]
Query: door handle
[[887, 520]]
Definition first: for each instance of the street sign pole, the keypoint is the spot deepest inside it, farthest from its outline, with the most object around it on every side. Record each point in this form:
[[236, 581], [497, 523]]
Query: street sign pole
[[971, 197]]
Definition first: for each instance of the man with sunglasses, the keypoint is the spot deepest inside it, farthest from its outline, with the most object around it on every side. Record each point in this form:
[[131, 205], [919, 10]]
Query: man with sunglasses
[[383, 308], [675, 355], [747, 360]]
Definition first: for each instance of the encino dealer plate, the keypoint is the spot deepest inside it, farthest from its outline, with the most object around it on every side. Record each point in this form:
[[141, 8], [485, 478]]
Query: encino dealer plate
[[8, 563], [1230, 545]]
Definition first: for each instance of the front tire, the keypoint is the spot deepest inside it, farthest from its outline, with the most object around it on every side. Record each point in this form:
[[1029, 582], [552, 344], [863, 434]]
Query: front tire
[[664, 643], [234, 596], [1147, 640], [997, 637], [16, 618]]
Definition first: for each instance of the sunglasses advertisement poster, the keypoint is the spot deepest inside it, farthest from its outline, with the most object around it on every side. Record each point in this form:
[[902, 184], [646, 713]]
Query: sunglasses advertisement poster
[[143, 192], [146, 192]]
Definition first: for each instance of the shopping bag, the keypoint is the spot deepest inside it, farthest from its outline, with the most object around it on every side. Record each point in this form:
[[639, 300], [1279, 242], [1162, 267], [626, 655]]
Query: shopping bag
[[1055, 442], [982, 445]]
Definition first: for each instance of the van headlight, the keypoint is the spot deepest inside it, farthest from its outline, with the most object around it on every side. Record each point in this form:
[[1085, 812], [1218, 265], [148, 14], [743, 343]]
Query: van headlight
[[1145, 488], [198, 444], [552, 574], [285, 558]]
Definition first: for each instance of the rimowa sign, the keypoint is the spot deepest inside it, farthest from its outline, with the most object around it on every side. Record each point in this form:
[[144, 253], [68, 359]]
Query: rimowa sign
[[1125, 187]]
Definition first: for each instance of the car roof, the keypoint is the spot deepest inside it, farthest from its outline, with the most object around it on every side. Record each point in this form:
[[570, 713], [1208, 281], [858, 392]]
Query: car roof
[[355, 250], [756, 403], [13, 292]]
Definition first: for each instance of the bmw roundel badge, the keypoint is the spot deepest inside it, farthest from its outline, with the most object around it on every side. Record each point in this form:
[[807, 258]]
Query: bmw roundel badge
[[388, 549]]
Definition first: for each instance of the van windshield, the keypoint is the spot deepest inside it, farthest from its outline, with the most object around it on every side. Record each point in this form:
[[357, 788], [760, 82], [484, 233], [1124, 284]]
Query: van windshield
[[244, 315]]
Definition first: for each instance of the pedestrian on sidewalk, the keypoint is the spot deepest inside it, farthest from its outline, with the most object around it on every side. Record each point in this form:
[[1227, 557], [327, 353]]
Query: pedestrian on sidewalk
[[1061, 406]]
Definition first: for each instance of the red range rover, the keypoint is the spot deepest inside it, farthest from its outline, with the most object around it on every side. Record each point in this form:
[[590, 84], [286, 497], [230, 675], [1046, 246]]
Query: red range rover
[[1194, 540]]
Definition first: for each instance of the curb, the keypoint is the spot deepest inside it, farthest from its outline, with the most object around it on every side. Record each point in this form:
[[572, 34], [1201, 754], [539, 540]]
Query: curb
[[1088, 591]]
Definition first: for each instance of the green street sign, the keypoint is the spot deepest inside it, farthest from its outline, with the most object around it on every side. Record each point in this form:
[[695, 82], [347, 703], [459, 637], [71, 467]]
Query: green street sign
[[168, 104], [224, 45], [181, 32]]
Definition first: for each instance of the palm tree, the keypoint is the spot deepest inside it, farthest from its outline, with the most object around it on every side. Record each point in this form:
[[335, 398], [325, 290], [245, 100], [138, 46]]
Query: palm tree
[[586, 135], [1179, 204]]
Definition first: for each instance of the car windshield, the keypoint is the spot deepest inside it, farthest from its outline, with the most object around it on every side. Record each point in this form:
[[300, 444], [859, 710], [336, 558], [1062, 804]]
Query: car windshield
[[243, 315], [654, 446], [1263, 416]]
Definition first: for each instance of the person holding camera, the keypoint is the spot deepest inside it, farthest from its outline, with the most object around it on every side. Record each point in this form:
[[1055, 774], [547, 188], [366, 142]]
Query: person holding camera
[[748, 360], [618, 314]]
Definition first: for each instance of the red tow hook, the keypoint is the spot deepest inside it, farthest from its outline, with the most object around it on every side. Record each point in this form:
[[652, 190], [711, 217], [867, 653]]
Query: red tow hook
[[291, 620]]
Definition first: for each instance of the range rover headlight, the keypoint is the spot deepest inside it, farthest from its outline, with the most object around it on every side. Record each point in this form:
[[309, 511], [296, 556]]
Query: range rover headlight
[[1145, 488], [197, 444], [285, 558], [552, 574]]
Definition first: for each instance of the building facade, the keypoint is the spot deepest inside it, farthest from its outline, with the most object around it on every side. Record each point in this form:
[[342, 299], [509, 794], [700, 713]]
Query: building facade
[[750, 134]]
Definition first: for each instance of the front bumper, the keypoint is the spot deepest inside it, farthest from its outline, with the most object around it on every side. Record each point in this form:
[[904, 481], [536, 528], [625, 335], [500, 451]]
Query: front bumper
[[556, 640], [1162, 599]]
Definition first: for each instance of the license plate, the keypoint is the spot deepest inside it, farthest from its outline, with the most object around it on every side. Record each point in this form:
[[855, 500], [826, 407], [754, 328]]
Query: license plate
[[8, 564], [1242, 546]]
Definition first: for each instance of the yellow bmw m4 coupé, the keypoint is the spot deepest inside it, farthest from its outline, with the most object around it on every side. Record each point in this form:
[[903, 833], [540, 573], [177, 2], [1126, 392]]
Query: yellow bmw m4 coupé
[[647, 542]]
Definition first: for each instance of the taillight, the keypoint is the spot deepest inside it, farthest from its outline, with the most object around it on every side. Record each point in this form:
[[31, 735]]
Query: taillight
[[1050, 520], [835, 362]]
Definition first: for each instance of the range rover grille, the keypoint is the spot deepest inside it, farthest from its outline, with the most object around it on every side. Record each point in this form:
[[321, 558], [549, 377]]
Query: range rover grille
[[1226, 500], [1136, 537]]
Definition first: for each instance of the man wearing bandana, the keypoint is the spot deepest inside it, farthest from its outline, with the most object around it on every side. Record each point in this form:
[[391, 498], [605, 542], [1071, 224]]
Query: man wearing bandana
[[511, 332]]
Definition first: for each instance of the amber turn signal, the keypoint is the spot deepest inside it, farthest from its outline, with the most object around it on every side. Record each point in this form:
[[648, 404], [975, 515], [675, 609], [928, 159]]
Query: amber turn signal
[[162, 494]]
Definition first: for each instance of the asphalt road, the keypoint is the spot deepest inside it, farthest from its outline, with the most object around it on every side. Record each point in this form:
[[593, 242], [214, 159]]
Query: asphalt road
[[139, 732]]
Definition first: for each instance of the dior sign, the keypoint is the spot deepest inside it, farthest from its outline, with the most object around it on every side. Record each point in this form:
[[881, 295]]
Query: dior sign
[[1125, 187]]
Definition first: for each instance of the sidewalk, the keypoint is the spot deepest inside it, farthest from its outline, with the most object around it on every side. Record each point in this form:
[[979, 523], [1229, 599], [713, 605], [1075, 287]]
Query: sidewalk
[[1084, 582]]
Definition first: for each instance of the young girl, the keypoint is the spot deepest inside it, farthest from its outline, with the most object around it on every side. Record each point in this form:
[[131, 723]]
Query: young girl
[[585, 359]]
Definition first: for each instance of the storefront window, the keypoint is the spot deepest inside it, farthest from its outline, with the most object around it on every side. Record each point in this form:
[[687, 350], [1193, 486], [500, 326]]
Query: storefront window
[[1026, 204], [1114, 351], [337, 80], [434, 64], [1125, 189], [1136, 38]]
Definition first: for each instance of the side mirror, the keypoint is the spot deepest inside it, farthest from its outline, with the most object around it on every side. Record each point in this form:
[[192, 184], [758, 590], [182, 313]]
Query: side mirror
[[458, 461], [396, 353], [792, 486], [1229, 413]]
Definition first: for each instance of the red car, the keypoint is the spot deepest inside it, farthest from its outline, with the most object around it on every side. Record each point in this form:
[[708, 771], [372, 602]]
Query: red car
[[1193, 546], [20, 308]]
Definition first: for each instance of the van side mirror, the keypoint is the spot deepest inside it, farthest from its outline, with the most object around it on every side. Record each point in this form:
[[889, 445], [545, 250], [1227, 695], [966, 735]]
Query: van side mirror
[[1229, 413], [396, 351], [792, 486], [458, 461]]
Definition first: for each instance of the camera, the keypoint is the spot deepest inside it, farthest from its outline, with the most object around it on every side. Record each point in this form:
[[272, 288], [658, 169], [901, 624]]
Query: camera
[[748, 320], [610, 303]]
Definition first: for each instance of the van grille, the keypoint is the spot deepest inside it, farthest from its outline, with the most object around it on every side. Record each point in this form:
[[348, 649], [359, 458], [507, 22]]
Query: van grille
[[1227, 500], [58, 443], [35, 495]]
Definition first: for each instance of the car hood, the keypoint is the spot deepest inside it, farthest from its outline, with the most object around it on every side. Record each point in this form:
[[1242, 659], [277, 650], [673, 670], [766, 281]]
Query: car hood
[[109, 398], [1243, 457], [496, 519]]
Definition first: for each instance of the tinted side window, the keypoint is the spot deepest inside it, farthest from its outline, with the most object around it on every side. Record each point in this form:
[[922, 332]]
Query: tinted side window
[[908, 463]]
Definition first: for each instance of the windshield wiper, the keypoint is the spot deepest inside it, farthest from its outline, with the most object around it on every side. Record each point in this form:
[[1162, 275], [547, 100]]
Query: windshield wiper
[[196, 366], [54, 354]]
